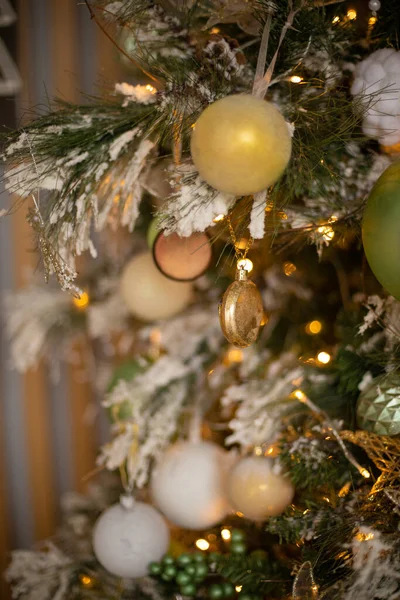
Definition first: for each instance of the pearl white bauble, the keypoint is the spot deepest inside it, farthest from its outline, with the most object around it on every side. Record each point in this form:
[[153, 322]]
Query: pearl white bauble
[[241, 144], [127, 538], [377, 80], [188, 486], [256, 490], [148, 294], [374, 5]]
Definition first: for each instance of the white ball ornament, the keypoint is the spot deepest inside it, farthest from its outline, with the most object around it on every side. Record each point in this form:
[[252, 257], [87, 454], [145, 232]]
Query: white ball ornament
[[256, 490], [128, 536], [188, 486], [377, 83], [148, 294], [241, 144]]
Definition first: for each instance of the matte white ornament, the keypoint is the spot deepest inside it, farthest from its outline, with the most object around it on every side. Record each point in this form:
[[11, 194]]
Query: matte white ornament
[[377, 80], [128, 536], [241, 144], [256, 490], [148, 294], [189, 484]]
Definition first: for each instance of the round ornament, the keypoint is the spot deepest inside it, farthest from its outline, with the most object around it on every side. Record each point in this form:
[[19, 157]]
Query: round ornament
[[128, 536], [378, 406], [182, 258], [256, 490], [241, 144], [376, 83], [380, 234], [188, 485], [241, 311], [149, 295]]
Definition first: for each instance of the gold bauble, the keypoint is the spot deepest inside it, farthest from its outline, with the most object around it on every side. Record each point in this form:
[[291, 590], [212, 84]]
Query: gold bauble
[[241, 144], [149, 295], [241, 311]]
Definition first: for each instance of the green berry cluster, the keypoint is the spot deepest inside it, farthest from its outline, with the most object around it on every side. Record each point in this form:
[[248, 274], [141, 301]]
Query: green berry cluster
[[238, 542], [188, 571]]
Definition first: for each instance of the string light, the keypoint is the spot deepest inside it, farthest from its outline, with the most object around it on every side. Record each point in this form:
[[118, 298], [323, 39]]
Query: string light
[[352, 14], [372, 20], [313, 327], [218, 218], [296, 79], [238, 588], [258, 451], [225, 534], [202, 544], [335, 19], [151, 88], [245, 264], [289, 268], [82, 302], [365, 473], [344, 490], [323, 357], [86, 581], [215, 30], [299, 395], [364, 537], [234, 355], [326, 232]]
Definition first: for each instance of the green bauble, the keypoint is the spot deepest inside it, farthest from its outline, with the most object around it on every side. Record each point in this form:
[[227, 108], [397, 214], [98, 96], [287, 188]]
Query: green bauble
[[169, 573], [228, 590], [155, 568], [184, 559], [238, 548], [191, 570], [188, 590], [380, 230], [201, 571], [216, 591], [168, 560], [237, 535], [378, 407], [183, 578], [124, 372]]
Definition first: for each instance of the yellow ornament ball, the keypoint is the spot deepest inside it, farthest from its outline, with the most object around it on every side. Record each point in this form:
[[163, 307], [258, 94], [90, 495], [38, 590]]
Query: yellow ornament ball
[[148, 294], [256, 490], [241, 144]]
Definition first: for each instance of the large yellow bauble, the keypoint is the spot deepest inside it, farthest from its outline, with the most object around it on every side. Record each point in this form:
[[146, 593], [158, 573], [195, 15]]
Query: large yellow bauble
[[241, 144], [148, 294]]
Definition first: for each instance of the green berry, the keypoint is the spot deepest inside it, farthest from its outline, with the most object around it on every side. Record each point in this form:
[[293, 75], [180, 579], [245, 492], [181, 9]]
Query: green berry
[[168, 560], [169, 572], [238, 548], [201, 570], [188, 590], [190, 569], [183, 578], [237, 535], [228, 589], [216, 591], [155, 568], [184, 559]]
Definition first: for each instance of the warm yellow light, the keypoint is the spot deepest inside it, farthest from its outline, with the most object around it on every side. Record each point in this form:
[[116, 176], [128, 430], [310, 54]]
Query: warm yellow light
[[151, 88], [333, 219], [81, 302], [365, 473], [326, 232], [289, 268], [202, 544], [335, 19], [323, 357], [372, 20], [364, 537], [245, 264], [296, 79], [352, 14], [215, 30], [239, 514], [86, 581], [225, 534], [258, 451], [218, 218], [234, 355], [299, 395], [313, 327], [344, 490], [238, 588]]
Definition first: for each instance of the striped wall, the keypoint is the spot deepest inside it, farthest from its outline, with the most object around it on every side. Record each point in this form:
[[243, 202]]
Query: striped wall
[[46, 444]]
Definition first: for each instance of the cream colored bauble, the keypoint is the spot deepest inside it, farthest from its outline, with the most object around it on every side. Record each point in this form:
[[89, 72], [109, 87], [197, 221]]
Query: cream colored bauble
[[148, 294], [241, 144], [188, 485], [256, 490], [128, 536]]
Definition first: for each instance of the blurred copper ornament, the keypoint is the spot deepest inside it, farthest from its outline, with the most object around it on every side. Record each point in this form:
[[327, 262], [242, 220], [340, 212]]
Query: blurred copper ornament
[[182, 258]]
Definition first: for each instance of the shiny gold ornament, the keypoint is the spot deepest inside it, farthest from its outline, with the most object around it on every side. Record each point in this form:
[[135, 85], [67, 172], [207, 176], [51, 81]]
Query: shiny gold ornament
[[241, 311]]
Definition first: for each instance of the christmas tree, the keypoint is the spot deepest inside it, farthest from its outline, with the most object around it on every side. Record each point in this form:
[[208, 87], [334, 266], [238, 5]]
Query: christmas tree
[[254, 447]]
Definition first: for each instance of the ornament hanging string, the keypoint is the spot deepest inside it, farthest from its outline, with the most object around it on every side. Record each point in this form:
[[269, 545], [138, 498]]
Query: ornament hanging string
[[240, 254]]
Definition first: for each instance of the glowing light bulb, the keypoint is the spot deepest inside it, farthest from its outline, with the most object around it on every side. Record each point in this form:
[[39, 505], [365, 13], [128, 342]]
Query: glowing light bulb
[[218, 218], [238, 588], [202, 544], [245, 264], [313, 327], [151, 88], [81, 302], [86, 581], [299, 395], [352, 14], [323, 357], [372, 20], [289, 268], [215, 30], [296, 79], [365, 473], [326, 232], [335, 19], [258, 451], [234, 355], [225, 534]]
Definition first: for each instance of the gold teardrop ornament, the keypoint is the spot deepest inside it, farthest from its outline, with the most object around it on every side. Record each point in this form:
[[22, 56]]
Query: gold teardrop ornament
[[241, 310]]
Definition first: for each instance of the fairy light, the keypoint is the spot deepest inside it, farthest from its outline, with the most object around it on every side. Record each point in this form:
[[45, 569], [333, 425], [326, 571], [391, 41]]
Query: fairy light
[[344, 490], [238, 588], [289, 268], [202, 544], [151, 88], [82, 302], [365, 473], [239, 514], [299, 395], [364, 537], [313, 327], [234, 355], [326, 232], [226, 534], [219, 218], [323, 357], [258, 451], [335, 20], [215, 30], [296, 79], [245, 264], [86, 581], [352, 14], [372, 20]]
